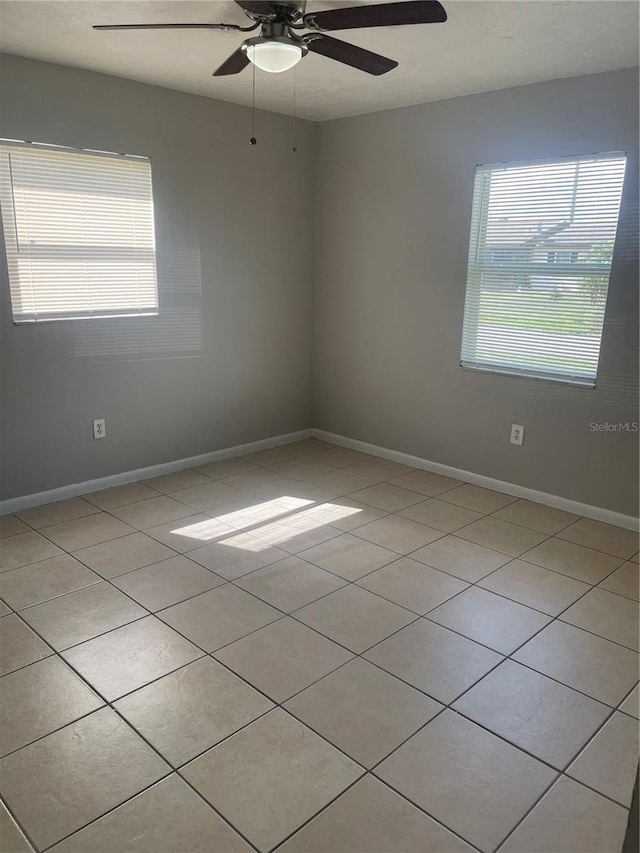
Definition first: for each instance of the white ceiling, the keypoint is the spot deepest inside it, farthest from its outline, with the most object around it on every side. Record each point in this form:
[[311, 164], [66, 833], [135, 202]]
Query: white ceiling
[[485, 45]]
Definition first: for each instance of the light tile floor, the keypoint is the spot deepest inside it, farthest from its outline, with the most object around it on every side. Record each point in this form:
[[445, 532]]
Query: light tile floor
[[316, 651]]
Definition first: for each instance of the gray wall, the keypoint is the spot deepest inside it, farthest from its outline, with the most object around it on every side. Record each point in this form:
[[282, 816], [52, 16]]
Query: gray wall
[[393, 207], [229, 359]]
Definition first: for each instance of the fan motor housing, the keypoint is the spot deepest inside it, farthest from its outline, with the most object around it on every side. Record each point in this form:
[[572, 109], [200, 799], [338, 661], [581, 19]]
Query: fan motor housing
[[285, 10], [287, 5]]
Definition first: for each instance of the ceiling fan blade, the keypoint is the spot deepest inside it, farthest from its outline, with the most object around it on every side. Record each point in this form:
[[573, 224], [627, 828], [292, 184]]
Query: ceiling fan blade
[[167, 27], [384, 15], [257, 7], [349, 54], [236, 63]]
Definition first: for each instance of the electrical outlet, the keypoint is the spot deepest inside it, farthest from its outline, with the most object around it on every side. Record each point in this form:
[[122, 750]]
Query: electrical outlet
[[517, 434], [99, 428]]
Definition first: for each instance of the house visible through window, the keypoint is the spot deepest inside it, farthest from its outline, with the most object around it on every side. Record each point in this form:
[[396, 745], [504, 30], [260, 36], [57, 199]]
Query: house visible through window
[[542, 239], [78, 232]]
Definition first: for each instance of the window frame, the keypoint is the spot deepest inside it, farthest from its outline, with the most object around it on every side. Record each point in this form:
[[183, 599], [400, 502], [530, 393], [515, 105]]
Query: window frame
[[8, 193], [477, 244]]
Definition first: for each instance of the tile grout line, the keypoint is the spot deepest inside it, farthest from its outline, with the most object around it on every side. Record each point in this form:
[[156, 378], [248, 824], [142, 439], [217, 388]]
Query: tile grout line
[[295, 554], [521, 556], [563, 773], [280, 618], [529, 811], [348, 496], [111, 705], [559, 772], [107, 704], [286, 710], [177, 770], [356, 655], [507, 657], [18, 823], [399, 556], [355, 583], [448, 706]]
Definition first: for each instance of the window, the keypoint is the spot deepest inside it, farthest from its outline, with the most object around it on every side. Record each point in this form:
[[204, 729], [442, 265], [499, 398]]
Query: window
[[542, 237], [78, 233]]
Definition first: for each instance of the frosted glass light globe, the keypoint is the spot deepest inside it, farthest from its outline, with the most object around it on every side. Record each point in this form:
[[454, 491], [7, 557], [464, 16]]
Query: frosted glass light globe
[[274, 56]]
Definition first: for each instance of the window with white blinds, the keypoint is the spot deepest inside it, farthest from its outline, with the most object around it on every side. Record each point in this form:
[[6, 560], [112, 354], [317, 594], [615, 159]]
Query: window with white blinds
[[542, 238], [78, 232]]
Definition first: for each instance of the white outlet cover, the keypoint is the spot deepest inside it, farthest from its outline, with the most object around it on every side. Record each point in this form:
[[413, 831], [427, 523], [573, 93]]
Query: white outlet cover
[[99, 428], [517, 434]]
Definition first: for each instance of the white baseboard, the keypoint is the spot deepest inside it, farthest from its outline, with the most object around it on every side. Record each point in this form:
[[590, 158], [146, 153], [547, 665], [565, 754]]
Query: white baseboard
[[566, 504], [74, 489]]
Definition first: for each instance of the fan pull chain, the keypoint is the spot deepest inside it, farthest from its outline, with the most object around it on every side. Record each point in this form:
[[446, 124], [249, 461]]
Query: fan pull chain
[[294, 147], [253, 140]]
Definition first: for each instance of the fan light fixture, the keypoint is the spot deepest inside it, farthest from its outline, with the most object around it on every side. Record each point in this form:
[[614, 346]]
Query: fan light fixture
[[282, 45], [274, 55]]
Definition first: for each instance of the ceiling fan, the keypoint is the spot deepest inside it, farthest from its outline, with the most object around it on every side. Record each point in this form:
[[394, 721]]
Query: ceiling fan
[[281, 44]]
